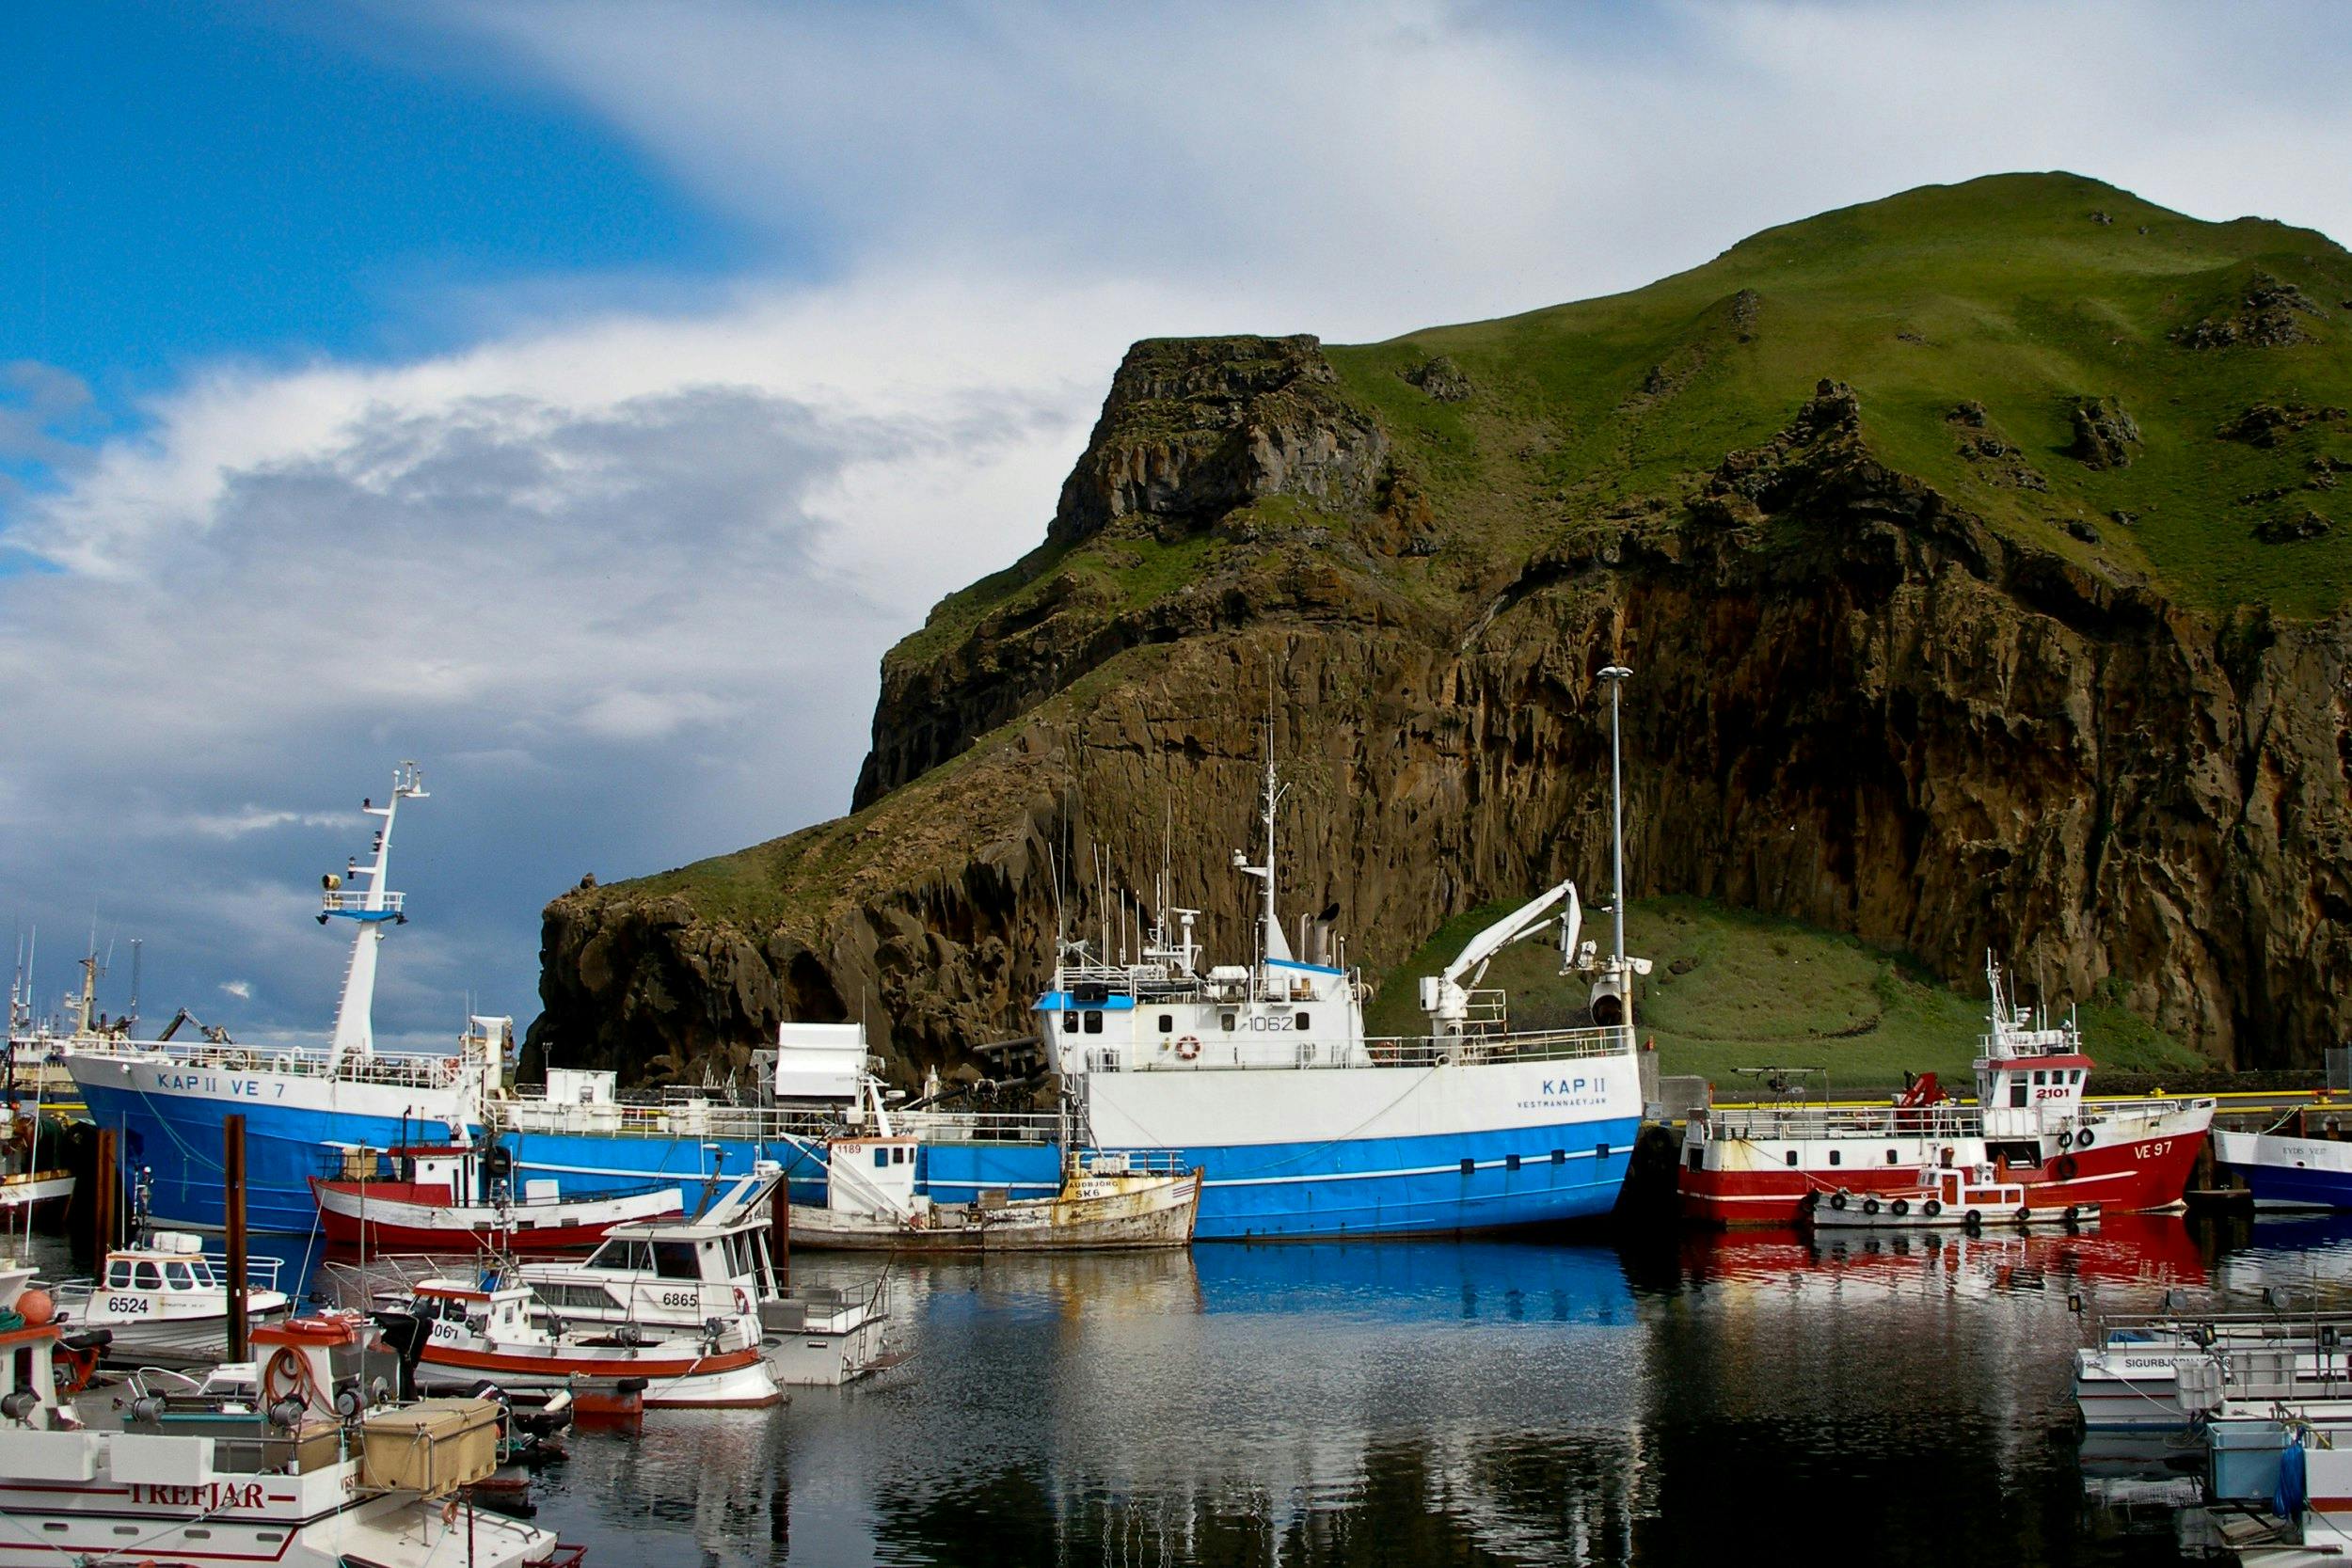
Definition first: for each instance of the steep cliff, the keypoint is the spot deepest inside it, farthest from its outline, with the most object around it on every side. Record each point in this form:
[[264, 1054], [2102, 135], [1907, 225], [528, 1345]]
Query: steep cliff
[[1943, 536]]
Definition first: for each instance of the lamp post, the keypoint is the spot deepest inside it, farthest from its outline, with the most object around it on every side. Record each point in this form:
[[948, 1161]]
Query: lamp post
[[1616, 674]]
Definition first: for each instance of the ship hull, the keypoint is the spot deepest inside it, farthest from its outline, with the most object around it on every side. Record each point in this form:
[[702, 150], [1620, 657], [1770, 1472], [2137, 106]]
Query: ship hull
[[2288, 1173], [170, 1121], [2134, 1168], [1151, 1213], [386, 1214]]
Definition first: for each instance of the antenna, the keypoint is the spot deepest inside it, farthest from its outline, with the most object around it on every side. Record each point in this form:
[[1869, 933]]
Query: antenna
[[1616, 675], [134, 1015]]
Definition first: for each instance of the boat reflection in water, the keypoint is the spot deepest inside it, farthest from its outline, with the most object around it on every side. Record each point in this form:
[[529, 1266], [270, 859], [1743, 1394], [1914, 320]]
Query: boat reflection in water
[[1402, 1402]]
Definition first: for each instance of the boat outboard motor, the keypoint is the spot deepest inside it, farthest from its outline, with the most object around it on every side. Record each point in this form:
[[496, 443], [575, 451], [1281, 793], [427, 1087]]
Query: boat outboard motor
[[484, 1389]]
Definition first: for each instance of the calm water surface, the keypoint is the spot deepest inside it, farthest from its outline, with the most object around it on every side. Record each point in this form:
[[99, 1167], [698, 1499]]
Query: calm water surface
[[1902, 1401]]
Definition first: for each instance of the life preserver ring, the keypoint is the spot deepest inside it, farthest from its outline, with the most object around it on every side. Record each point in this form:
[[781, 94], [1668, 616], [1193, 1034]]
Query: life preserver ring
[[2063, 1167], [1837, 1200], [742, 1302], [2066, 1139], [317, 1328], [2083, 1138], [1188, 1046]]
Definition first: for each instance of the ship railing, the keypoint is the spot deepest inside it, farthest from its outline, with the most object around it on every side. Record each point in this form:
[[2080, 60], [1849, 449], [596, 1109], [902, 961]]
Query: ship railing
[[406, 1069], [1253, 1053], [1131, 1161], [526, 1113], [356, 902], [1843, 1121]]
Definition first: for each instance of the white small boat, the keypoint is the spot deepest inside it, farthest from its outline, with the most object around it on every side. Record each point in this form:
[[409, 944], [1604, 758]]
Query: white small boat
[[294, 1468], [1968, 1199], [673, 1275], [493, 1331], [165, 1300]]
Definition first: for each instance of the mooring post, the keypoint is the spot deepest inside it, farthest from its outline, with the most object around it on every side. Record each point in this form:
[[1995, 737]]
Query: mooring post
[[780, 1225], [232, 1193], [102, 1225]]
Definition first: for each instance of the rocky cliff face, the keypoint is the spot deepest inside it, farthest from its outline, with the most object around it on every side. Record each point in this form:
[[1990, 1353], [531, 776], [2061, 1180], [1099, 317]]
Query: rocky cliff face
[[1853, 705], [1857, 702]]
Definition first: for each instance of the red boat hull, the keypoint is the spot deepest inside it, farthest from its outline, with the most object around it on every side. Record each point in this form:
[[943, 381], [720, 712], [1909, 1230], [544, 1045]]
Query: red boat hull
[[2121, 1178], [386, 1230]]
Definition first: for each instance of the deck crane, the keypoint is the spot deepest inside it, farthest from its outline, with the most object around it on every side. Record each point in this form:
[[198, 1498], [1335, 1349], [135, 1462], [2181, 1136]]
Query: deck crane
[[1446, 997]]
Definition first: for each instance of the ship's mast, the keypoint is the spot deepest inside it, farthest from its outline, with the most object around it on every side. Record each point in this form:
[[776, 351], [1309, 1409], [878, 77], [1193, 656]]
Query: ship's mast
[[1273, 945], [372, 908]]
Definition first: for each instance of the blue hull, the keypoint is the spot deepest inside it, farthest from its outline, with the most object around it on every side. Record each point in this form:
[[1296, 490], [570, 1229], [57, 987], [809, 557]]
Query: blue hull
[[283, 1149], [2288, 1187], [1522, 1176]]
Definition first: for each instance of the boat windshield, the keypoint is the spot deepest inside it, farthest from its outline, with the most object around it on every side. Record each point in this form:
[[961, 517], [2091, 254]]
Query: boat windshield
[[118, 1274], [149, 1277], [627, 1257], [179, 1278], [675, 1260]]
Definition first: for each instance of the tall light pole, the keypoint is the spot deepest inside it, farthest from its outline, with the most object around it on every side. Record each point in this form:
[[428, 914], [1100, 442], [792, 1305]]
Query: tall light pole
[[1616, 676]]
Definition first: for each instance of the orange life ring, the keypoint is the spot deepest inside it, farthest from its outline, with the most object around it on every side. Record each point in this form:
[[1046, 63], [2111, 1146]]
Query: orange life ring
[[1188, 1047]]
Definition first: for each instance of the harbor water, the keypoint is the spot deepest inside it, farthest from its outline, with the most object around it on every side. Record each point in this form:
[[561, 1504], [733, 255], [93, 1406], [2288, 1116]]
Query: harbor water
[[1899, 1399]]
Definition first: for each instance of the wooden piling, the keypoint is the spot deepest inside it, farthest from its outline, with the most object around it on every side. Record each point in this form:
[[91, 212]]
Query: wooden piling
[[103, 1177], [780, 1228], [233, 1194]]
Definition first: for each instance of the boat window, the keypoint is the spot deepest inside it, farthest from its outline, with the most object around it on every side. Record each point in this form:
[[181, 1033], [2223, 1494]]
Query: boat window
[[623, 1255], [1837, 1157], [118, 1274], [1301, 1016], [674, 1260], [179, 1278], [1510, 1162], [1792, 1156], [1094, 1021], [881, 1159], [1225, 1021], [2018, 1091], [2041, 1080], [1890, 1156], [897, 1156], [1167, 1024], [1069, 1023], [2077, 1075], [203, 1271], [149, 1277], [1698, 1158]]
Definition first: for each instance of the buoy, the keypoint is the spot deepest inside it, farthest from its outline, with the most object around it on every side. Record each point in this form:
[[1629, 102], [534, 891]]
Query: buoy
[[36, 1309]]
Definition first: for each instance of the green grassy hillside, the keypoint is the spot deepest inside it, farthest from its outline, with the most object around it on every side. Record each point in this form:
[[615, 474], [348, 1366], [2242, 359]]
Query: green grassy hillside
[[2007, 291], [1733, 990]]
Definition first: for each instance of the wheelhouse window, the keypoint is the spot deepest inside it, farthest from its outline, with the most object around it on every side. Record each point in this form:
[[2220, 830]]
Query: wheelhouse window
[[675, 1260], [1094, 1021], [1069, 1020], [178, 1276], [1301, 1016], [149, 1277], [2019, 1091], [118, 1274]]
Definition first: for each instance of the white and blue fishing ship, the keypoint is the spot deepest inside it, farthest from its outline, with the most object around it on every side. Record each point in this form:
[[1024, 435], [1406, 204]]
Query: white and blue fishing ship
[[166, 1099], [1262, 1074]]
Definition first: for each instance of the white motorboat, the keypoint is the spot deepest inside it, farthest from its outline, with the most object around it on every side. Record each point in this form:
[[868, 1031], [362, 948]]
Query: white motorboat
[[673, 1276], [311, 1474], [494, 1330], [165, 1300]]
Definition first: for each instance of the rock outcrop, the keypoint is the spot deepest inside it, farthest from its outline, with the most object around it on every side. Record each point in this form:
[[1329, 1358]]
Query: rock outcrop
[[1855, 706]]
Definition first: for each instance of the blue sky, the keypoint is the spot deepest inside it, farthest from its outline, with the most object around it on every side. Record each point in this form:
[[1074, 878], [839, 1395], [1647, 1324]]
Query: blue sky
[[578, 396]]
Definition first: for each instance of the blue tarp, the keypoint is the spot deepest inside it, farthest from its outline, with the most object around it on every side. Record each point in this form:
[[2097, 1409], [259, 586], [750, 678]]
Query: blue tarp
[[2287, 1501]]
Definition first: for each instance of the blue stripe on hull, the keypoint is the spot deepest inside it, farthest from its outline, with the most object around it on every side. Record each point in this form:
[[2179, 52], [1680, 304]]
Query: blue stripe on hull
[[2286, 1186], [1355, 1187], [283, 1148]]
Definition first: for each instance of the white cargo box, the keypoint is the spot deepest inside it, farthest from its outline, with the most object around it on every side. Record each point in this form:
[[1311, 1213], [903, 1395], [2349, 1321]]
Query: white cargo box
[[820, 1061]]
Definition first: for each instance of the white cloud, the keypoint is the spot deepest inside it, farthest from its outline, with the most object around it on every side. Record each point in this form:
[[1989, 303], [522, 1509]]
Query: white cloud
[[621, 578], [241, 990]]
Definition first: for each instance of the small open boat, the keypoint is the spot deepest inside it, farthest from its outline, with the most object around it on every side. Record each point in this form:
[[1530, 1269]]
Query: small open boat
[[457, 1197], [1969, 1200]]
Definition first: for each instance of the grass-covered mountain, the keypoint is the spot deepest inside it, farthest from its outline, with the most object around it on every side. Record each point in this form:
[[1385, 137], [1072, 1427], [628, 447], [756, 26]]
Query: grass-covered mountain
[[1980, 554]]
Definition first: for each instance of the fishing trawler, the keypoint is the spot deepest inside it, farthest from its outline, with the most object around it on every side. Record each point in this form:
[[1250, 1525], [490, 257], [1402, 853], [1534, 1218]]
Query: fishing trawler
[[1261, 1075], [2030, 1126], [455, 1196], [302, 1105]]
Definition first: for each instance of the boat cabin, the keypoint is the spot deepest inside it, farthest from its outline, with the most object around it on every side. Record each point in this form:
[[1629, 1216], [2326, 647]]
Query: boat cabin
[[167, 1278], [680, 1272]]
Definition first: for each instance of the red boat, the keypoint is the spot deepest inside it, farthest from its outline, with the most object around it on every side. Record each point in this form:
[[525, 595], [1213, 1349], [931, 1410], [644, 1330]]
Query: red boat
[[2030, 1126], [440, 1197]]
